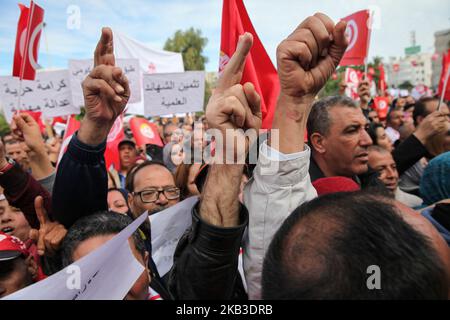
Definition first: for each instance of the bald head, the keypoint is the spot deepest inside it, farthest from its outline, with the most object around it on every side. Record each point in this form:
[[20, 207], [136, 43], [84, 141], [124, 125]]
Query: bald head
[[326, 248]]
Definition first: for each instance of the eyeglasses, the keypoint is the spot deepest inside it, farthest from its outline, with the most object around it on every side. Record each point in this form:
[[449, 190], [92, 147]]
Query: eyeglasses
[[152, 194]]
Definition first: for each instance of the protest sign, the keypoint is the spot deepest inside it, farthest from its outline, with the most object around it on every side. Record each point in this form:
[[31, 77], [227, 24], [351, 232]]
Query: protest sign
[[80, 69], [171, 93], [49, 94], [98, 273]]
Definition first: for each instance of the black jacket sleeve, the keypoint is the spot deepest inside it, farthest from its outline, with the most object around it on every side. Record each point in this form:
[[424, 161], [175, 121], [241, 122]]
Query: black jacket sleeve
[[407, 153], [81, 182], [206, 261]]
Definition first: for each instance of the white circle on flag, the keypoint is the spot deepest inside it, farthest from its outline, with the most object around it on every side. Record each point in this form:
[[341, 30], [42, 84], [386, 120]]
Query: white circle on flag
[[351, 33], [383, 105], [34, 34], [353, 77], [146, 131]]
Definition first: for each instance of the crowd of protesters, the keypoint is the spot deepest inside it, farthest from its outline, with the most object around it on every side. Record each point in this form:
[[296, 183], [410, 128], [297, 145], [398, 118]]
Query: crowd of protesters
[[310, 216]]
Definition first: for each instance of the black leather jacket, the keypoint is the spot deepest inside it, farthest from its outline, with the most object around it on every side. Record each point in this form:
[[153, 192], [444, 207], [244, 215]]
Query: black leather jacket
[[206, 261]]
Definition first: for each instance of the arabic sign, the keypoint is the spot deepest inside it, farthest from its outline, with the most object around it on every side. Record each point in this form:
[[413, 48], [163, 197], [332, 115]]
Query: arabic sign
[[49, 94], [80, 69], [170, 93], [98, 272]]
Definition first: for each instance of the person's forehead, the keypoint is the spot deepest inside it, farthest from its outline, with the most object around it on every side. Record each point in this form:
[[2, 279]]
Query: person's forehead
[[13, 146], [380, 158], [153, 176], [115, 195], [126, 146], [344, 116]]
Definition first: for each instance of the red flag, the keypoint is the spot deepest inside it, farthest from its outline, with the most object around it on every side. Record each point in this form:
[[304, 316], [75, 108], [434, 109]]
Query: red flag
[[145, 132], [29, 29], [444, 74], [358, 35], [115, 135], [20, 39], [381, 106], [259, 69], [382, 83]]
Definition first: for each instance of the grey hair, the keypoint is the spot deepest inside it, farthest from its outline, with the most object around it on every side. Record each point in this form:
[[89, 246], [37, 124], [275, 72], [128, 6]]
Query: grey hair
[[319, 119]]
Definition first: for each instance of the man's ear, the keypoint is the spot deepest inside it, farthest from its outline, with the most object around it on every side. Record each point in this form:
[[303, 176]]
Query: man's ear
[[318, 142], [32, 267], [130, 201]]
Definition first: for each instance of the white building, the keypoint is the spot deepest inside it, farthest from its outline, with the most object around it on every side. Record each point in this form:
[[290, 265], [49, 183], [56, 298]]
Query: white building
[[416, 68]]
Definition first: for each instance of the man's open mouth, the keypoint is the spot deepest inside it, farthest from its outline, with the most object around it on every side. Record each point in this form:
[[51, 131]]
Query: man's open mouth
[[7, 230]]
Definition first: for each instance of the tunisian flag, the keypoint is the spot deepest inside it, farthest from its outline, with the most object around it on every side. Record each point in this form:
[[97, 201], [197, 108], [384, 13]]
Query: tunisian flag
[[29, 29], [381, 105], [445, 74], [115, 135], [358, 35], [258, 69], [145, 132]]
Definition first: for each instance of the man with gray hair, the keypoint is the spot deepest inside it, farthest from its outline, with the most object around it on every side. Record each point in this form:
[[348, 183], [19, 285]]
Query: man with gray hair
[[338, 139]]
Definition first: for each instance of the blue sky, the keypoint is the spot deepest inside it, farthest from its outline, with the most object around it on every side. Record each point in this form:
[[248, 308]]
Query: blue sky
[[152, 22]]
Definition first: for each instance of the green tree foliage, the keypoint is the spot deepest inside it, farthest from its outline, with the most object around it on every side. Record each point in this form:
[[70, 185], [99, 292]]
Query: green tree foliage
[[190, 44], [4, 127]]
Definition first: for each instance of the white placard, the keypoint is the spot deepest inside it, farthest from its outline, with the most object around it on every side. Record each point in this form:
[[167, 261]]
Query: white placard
[[107, 273], [49, 94], [167, 228], [171, 93], [80, 69]]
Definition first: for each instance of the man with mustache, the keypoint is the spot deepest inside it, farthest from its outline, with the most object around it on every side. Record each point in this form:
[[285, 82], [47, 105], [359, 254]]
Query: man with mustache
[[338, 139]]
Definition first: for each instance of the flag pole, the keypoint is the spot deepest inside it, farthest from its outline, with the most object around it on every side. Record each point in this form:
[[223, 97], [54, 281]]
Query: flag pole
[[441, 100], [366, 60]]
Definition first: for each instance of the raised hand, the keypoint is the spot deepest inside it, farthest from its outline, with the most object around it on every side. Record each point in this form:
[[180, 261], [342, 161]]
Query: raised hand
[[235, 106], [25, 128], [309, 56], [306, 59], [50, 234], [106, 92]]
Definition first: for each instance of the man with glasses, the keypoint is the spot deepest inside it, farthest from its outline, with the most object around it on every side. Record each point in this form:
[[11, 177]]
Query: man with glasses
[[152, 189]]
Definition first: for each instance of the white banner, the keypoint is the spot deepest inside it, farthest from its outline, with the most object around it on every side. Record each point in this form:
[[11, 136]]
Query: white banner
[[80, 69], [49, 94], [167, 228], [107, 273], [173, 93]]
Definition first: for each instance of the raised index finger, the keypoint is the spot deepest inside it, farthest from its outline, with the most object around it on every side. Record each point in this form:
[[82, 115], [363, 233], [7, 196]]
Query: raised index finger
[[104, 52], [232, 74], [41, 213]]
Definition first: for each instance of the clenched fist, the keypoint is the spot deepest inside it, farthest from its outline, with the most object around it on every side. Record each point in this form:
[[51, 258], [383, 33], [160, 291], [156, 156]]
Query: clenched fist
[[310, 55]]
